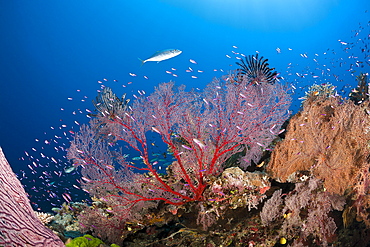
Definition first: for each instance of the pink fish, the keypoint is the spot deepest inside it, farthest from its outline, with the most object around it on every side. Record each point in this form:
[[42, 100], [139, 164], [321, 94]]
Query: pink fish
[[199, 143]]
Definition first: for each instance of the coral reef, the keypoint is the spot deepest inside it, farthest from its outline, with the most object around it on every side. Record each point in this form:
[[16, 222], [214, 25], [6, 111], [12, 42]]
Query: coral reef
[[360, 199], [303, 215], [233, 189], [216, 189], [242, 189], [45, 218], [329, 139], [19, 225], [84, 241], [64, 222], [202, 130], [320, 90]]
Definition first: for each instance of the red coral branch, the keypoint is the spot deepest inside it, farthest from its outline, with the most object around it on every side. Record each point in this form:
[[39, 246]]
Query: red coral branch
[[202, 130]]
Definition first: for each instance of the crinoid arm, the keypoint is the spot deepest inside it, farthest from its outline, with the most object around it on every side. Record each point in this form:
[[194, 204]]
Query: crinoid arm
[[107, 103], [361, 92], [256, 69]]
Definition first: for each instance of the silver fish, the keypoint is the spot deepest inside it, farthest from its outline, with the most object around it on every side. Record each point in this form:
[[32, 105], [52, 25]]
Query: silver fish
[[69, 169], [162, 55]]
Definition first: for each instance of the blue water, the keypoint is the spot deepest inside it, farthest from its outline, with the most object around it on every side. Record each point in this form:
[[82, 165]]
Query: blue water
[[53, 53]]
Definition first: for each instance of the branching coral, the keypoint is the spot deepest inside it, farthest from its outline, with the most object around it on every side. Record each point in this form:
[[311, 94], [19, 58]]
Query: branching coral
[[45, 218], [361, 196], [303, 215]]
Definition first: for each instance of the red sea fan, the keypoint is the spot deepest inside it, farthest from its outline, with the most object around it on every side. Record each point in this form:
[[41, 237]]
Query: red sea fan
[[202, 130]]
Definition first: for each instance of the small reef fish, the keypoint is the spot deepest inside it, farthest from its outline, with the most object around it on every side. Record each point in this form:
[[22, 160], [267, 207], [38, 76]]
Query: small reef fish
[[69, 169], [137, 158], [199, 143], [161, 55]]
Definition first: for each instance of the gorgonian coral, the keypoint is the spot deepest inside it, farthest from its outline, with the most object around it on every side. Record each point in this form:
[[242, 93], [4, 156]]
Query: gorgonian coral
[[202, 130]]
